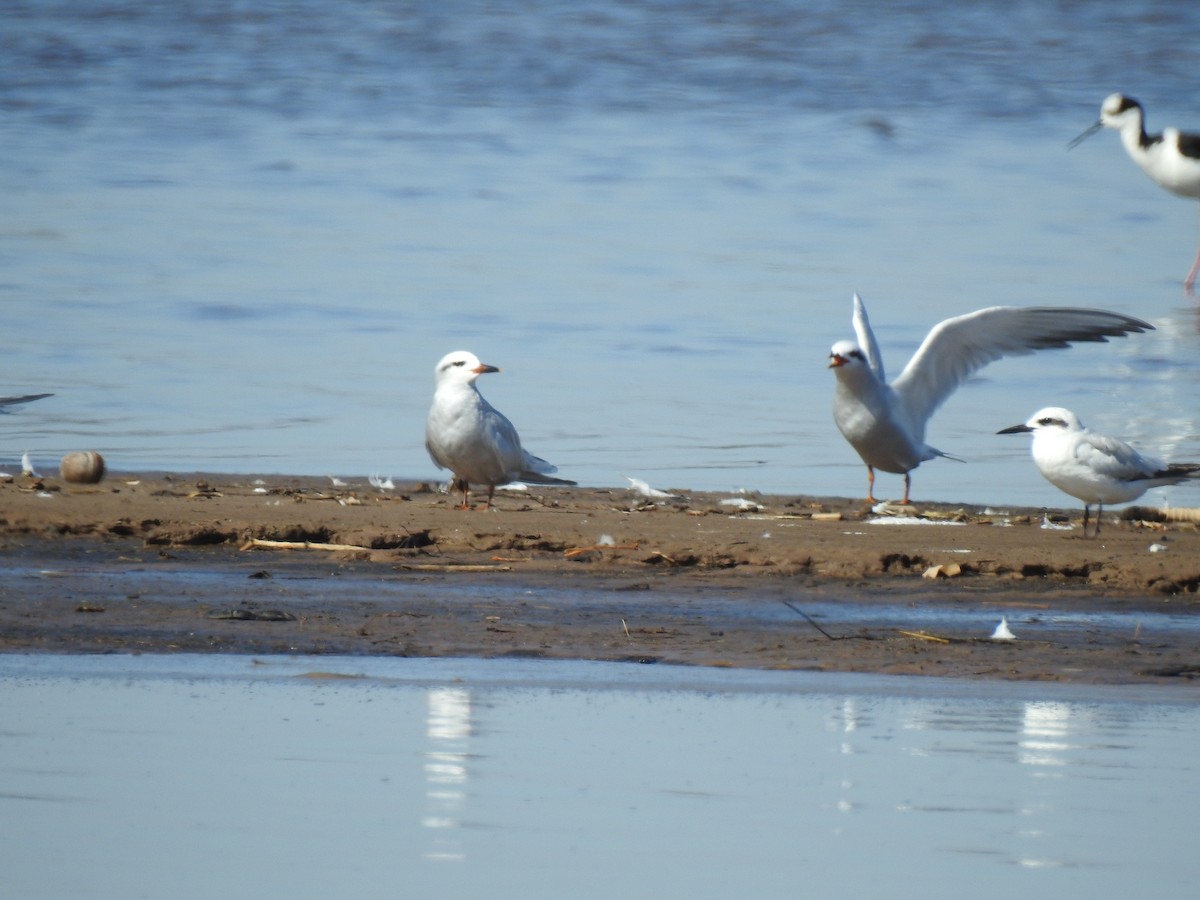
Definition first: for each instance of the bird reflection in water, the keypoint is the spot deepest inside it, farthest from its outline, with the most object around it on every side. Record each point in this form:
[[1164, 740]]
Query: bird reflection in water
[[448, 729]]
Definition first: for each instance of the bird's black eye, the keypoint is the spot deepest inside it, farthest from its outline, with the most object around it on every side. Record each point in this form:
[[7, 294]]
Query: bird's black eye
[[857, 354], [459, 362], [1048, 420]]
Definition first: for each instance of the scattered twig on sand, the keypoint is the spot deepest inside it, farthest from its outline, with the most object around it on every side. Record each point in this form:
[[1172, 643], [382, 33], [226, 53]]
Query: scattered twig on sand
[[923, 636], [1165, 514], [809, 619], [451, 567], [576, 551], [263, 543]]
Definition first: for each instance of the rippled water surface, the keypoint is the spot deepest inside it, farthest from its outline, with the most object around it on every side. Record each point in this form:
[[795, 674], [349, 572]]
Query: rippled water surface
[[226, 776], [237, 236]]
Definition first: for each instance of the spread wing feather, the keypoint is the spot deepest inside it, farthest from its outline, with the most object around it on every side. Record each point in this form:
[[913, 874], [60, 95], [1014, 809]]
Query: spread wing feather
[[957, 348]]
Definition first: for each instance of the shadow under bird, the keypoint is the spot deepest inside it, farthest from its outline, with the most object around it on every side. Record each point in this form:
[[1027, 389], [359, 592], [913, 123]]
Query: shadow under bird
[[885, 423], [1092, 467], [1172, 158], [470, 437]]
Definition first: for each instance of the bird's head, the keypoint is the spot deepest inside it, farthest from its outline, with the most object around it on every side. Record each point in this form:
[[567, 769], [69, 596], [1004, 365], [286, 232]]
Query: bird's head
[[1117, 111], [460, 367], [846, 355], [1052, 419]]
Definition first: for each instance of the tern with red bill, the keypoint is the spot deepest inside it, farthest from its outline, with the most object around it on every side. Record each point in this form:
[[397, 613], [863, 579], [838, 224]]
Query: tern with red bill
[[885, 423]]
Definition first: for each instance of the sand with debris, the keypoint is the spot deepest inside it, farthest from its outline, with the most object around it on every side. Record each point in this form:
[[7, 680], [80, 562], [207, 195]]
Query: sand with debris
[[271, 564]]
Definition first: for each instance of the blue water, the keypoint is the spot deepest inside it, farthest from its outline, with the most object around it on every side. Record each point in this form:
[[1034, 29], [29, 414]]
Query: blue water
[[225, 776], [237, 236]]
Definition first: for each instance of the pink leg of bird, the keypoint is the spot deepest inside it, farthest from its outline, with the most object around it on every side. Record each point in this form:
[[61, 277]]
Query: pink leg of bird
[[871, 485], [1191, 277]]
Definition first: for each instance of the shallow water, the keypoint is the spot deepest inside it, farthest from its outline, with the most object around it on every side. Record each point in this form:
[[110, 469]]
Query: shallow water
[[205, 776], [237, 237]]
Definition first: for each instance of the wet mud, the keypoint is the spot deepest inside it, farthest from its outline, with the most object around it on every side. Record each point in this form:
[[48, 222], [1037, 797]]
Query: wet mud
[[256, 565]]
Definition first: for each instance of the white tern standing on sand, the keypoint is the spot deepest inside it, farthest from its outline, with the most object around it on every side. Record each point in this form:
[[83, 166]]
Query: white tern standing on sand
[[1093, 467], [467, 435], [885, 422]]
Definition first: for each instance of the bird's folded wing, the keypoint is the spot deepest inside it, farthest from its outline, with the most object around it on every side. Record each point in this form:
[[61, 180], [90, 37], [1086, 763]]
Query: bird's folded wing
[[1189, 144], [537, 465], [1115, 459]]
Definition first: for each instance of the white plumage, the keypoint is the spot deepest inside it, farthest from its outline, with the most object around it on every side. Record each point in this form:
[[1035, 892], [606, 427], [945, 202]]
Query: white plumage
[[886, 423], [1092, 467], [467, 435]]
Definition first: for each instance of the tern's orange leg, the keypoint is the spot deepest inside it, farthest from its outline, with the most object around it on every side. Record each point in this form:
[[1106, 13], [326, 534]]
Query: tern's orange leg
[[871, 485], [465, 487], [907, 484]]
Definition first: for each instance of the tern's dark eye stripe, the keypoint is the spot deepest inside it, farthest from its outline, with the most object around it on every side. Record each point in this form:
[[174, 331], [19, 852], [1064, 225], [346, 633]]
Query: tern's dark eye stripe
[[1049, 420]]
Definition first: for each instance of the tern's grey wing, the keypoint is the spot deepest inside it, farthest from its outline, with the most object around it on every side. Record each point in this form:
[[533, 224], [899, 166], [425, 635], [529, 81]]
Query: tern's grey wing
[[1119, 461], [1115, 459], [866, 338], [502, 441], [957, 348], [537, 465], [519, 464]]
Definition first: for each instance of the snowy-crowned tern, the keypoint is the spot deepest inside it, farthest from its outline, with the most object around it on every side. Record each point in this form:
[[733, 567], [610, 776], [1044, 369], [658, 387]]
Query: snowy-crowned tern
[[1093, 467], [885, 422], [467, 435]]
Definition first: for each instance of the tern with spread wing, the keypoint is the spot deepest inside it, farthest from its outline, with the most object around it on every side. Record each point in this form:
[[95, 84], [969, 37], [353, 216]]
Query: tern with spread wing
[[467, 435], [886, 423], [1093, 467]]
